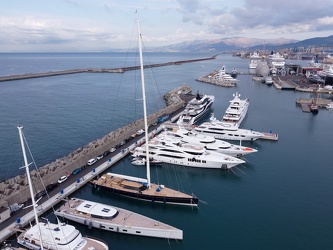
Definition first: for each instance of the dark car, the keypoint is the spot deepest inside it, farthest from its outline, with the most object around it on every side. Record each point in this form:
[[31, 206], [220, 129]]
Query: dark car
[[76, 171], [51, 186], [107, 152], [40, 194]]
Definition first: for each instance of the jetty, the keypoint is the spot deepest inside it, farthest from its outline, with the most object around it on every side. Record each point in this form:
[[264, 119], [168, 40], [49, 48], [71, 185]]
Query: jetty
[[305, 103], [101, 70]]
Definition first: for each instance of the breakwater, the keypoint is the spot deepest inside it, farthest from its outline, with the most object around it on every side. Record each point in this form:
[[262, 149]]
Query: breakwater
[[16, 189], [102, 70]]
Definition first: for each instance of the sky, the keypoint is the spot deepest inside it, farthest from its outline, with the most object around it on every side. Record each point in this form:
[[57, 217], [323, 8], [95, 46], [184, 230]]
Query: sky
[[105, 25]]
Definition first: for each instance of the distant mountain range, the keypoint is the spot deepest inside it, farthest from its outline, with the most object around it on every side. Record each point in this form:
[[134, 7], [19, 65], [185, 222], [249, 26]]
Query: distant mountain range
[[242, 43]]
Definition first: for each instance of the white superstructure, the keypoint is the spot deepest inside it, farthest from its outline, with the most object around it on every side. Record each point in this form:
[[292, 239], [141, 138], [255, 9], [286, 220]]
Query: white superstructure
[[178, 135], [276, 63], [255, 58], [227, 131], [115, 219], [236, 110], [225, 78], [196, 109], [186, 154]]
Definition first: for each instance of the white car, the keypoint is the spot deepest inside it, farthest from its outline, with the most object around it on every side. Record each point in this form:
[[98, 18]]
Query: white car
[[62, 179], [140, 132], [92, 161], [100, 157], [113, 149]]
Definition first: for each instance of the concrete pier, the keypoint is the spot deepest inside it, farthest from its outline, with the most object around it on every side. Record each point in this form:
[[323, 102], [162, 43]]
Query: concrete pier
[[102, 70]]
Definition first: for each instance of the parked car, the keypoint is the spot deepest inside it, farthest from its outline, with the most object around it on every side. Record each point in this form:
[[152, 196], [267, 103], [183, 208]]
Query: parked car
[[92, 161], [122, 143], [107, 152], [140, 132], [76, 171], [113, 149], [40, 194], [100, 157], [51, 186], [62, 179]]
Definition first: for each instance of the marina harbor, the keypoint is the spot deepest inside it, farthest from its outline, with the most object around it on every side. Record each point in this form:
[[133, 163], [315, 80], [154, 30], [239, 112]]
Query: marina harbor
[[193, 150], [77, 159]]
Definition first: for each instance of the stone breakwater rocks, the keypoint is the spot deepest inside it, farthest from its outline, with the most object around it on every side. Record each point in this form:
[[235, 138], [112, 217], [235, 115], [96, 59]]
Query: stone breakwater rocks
[[16, 189]]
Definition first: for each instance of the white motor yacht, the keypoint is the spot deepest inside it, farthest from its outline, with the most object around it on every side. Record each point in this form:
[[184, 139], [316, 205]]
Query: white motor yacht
[[225, 78], [237, 110], [185, 154], [196, 109], [209, 142], [227, 131]]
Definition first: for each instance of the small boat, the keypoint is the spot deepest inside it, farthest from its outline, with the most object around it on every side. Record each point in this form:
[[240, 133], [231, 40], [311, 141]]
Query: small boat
[[115, 219], [139, 161], [234, 72], [314, 108], [268, 80], [330, 105]]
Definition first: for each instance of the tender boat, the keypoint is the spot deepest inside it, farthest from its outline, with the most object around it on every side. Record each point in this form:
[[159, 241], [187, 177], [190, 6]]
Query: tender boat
[[330, 105], [53, 236], [115, 219], [196, 109], [237, 110], [268, 80], [234, 72], [142, 188], [227, 131]]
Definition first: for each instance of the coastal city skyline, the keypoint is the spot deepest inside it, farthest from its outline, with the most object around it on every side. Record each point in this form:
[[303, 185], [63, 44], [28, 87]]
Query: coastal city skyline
[[69, 25]]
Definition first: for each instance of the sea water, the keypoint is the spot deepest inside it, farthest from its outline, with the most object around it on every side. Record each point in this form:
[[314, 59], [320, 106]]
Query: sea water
[[281, 198]]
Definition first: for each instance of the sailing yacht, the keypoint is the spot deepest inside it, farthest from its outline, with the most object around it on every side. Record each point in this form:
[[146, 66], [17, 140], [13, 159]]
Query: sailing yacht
[[142, 188], [53, 236]]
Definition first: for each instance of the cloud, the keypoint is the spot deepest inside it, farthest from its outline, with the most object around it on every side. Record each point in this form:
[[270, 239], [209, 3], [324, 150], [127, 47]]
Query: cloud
[[259, 17]]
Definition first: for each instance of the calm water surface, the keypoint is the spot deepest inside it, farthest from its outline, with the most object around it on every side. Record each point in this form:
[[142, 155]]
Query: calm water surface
[[280, 199]]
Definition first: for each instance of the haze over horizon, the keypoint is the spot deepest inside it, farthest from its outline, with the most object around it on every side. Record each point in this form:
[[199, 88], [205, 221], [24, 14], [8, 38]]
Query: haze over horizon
[[101, 25]]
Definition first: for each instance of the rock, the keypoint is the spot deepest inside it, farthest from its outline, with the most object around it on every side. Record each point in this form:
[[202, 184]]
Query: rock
[[8, 191]]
